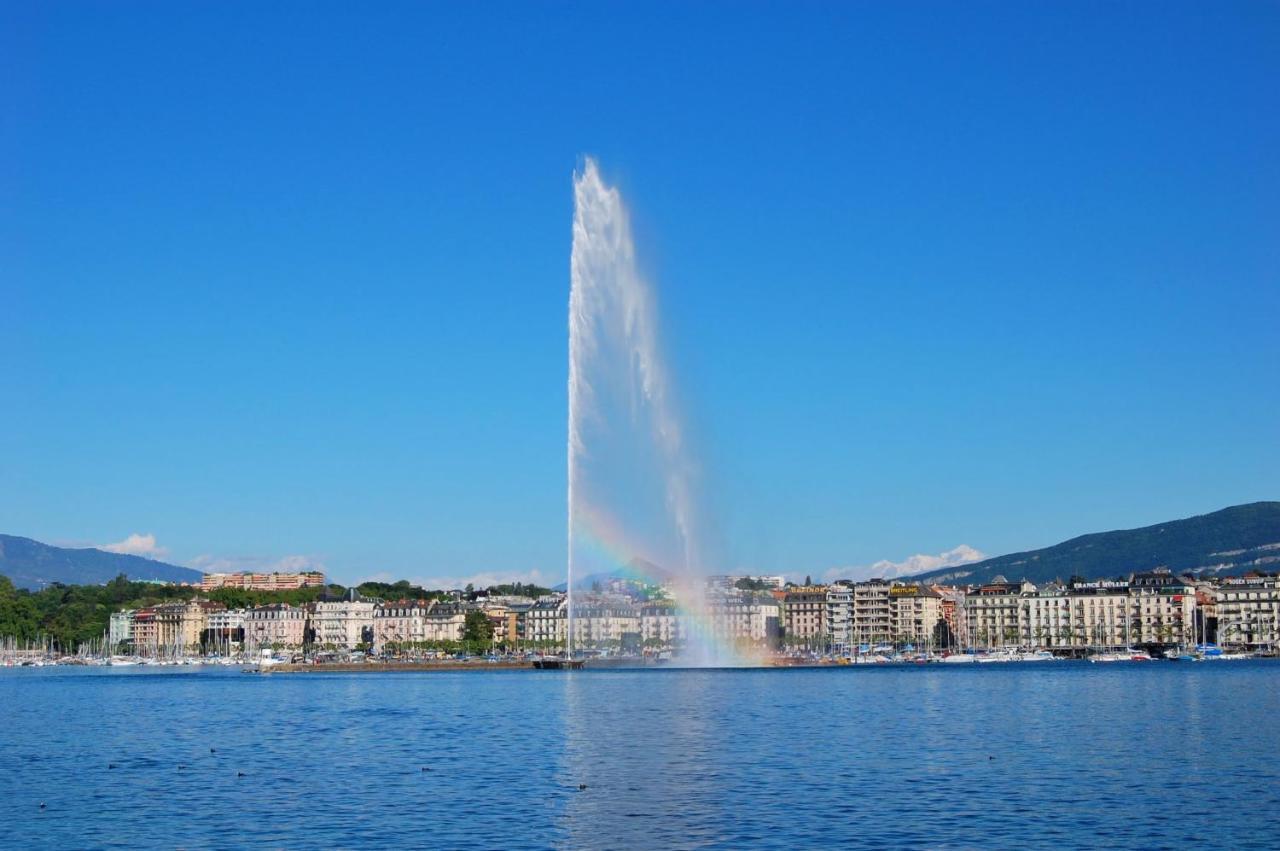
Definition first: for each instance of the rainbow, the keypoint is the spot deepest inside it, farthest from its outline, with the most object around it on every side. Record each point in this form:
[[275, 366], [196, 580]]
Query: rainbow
[[603, 543]]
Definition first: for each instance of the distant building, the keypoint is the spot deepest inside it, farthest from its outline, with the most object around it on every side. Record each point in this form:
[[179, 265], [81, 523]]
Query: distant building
[[805, 615], [1147, 608], [915, 613], [278, 624], [503, 621], [661, 626], [729, 582], [262, 581], [518, 608], [1248, 611], [952, 608], [744, 618], [606, 623], [446, 622], [840, 617], [993, 613], [406, 623], [224, 630], [179, 626], [144, 631], [547, 622], [872, 613], [120, 630], [343, 624]]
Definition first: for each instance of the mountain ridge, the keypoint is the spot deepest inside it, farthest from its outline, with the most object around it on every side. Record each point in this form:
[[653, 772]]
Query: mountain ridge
[[1226, 542], [31, 564]]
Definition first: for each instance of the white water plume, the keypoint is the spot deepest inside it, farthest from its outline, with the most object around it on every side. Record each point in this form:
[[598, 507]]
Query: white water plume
[[626, 444]]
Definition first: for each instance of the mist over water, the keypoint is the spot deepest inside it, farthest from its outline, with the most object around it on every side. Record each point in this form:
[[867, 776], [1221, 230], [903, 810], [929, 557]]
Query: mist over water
[[631, 479]]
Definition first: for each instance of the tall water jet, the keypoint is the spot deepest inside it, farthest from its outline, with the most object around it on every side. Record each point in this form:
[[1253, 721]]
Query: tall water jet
[[631, 494]]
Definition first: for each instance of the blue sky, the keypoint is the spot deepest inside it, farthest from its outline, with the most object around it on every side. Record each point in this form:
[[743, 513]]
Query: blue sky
[[286, 283]]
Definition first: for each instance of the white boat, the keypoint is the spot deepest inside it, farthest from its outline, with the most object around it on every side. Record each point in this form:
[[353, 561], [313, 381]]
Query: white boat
[[959, 659], [1037, 656], [1127, 655], [1003, 655]]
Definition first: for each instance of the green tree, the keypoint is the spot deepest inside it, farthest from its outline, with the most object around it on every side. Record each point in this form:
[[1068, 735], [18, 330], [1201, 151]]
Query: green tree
[[477, 632]]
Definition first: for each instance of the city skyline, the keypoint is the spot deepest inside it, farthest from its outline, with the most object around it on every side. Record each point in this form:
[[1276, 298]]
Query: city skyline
[[306, 307]]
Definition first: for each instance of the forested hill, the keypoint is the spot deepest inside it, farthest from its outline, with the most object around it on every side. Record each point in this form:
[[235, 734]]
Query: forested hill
[[1227, 542], [31, 564]]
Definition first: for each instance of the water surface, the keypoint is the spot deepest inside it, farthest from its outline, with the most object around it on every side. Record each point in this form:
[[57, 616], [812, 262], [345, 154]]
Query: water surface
[[1065, 754]]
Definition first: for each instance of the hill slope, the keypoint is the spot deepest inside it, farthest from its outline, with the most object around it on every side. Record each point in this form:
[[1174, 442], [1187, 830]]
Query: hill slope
[[31, 564], [1230, 541], [637, 568]]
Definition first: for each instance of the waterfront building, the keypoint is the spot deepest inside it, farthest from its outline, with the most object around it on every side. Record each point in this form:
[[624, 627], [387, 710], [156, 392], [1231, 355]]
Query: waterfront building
[[180, 625], [1163, 608], [399, 622], [519, 613], [952, 609], [744, 618], [1100, 612], [1248, 611], [1151, 608], [915, 612], [224, 629], [993, 613], [1147, 608], [805, 615], [501, 621], [872, 613], [415, 622], [839, 618], [276, 625], [507, 614], [546, 622], [444, 621], [120, 630], [1046, 618], [661, 626], [606, 623], [144, 631], [262, 581], [343, 624]]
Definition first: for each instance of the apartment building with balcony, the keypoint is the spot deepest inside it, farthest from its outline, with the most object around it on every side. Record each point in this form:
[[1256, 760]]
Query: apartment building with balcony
[[872, 612], [915, 612], [1247, 609], [804, 612]]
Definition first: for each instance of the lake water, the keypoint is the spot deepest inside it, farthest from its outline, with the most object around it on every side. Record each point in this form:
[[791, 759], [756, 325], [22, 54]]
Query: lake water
[[1171, 755]]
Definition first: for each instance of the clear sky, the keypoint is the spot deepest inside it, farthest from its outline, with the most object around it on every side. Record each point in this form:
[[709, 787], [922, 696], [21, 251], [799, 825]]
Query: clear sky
[[286, 283]]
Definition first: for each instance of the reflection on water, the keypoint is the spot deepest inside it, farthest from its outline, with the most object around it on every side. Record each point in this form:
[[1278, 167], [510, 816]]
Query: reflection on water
[[646, 762], [1132, 756]]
